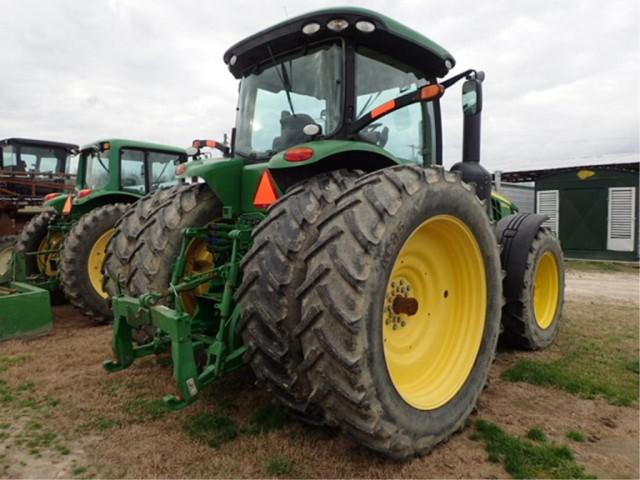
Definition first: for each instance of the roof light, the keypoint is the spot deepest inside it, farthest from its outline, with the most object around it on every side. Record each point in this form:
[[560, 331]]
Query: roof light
[[365, 26], [448, 63], [233, 60], [311, 129], [298, 154], [337, 24], [180, 169], [311, 28], [267, 192], [84, 192]]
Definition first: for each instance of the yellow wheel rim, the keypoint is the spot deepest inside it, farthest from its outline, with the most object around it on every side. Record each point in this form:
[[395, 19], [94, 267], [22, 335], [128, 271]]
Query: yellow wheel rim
[[439, 275], [546, 290], [198, 260], [96, 261], [48, 262]]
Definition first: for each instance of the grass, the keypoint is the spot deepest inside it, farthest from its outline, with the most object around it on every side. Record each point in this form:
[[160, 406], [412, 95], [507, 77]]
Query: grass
[[523, 459], [211, 428], [277, 465], [576, 436], [143, 409], [537, 435], [593, 355]]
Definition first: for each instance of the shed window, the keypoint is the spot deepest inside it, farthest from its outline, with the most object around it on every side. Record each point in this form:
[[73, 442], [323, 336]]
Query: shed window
[[547, 204], [620, 228]]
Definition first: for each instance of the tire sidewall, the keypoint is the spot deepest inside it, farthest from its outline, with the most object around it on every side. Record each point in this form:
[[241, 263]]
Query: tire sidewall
[[439, 199]]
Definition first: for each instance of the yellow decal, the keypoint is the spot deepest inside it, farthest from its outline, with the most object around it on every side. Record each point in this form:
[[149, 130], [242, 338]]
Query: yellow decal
[[584, 174]]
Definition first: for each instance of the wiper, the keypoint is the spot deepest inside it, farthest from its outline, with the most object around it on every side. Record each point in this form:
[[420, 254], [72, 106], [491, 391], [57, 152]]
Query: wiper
[[284, 78], [161, 173], [370, 100]]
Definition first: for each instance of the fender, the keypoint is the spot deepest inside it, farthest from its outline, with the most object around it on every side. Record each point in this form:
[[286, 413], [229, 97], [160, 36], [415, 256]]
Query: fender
[[100, 198], [515, 233]]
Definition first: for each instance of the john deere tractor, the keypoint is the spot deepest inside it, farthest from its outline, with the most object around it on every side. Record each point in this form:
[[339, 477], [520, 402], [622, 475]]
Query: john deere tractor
[[330, 250], [63, 249]]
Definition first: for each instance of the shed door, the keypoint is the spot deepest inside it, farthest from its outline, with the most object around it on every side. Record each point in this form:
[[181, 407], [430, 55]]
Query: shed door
[[547, 204], [620, 229]]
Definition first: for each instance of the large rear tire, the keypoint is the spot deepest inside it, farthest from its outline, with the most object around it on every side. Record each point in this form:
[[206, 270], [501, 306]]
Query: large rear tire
[[123, 243], [532, 319], [273, 269], [82, 259], [401, 309], [184, 206]]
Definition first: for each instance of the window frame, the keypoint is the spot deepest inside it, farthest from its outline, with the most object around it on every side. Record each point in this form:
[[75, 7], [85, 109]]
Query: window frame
[[147, 164]]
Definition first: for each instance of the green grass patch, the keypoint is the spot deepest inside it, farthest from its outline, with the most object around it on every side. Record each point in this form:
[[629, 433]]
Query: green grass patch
[[211, 428], [142, 409], [575, 377], [536, 435], [268, 418], [523, 459], [277, 465], [78, 471], [633, 366], [576, 436], [9, 361]]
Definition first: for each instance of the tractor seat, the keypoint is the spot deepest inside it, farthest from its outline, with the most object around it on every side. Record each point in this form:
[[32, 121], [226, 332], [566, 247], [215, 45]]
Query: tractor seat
[[291, 130]]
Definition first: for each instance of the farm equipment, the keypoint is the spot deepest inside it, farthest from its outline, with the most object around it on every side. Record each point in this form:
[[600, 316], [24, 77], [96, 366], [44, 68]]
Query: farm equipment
[[29, 170], [330, 250], [62, 250]]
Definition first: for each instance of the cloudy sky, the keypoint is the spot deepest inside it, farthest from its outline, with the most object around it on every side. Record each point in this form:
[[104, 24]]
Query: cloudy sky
[[562, 78]]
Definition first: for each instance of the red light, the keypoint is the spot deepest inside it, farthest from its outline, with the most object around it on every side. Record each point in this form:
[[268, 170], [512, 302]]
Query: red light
[[50, 196], [204, 143], [267, 192], [298, 154], [84, 192], [180, 169]]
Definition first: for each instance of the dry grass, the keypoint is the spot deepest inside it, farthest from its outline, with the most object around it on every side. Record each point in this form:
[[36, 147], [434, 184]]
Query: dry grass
[[114, 426]]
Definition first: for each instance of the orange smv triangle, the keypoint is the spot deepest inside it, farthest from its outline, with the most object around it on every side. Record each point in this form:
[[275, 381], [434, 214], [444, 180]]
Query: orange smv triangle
[[267, 192]]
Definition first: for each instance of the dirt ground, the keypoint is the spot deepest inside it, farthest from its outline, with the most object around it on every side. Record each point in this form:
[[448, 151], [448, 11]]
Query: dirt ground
[[104, 424]]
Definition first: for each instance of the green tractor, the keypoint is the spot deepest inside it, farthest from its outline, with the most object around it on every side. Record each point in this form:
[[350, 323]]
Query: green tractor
[[330, 250], [63, 249]]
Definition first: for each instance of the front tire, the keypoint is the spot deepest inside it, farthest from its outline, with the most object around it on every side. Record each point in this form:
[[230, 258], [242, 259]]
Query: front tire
[[82, 259], [7, 244], [401, 309], [531, 320]]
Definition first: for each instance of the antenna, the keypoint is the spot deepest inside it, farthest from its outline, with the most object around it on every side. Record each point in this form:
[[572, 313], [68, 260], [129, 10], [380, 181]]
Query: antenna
[[286, 14]]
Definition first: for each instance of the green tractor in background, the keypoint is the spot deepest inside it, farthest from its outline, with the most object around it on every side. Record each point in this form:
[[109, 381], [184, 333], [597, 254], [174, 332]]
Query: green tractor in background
[[63, 249], [330, 250]]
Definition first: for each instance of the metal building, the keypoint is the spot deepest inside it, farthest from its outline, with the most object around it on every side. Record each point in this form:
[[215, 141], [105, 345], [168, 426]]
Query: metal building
[[593, 209]]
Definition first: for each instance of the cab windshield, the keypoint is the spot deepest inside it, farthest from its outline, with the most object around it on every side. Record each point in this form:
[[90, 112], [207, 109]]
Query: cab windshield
[[278, 102], [97, 169]]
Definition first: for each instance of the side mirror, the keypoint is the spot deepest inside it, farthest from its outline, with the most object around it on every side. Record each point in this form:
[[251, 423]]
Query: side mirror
[[472, 96]]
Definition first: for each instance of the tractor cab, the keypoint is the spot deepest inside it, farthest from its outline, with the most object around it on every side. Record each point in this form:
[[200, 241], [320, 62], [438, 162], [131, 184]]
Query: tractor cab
[[348, 74], [121, 170]]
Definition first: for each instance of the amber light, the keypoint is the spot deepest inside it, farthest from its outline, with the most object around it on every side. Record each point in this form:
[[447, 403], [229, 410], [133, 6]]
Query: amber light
[[298, 154], [431, 92], [204, 143], [84, 192], [384, 108]]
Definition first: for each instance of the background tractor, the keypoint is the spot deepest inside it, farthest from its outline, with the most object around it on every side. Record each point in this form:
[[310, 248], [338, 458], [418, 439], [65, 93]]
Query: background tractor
[[330, 250], [29, 169], [63, 248]]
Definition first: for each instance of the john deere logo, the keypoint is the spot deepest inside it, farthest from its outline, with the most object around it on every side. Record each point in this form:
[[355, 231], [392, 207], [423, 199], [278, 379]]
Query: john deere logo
[[584, 174]]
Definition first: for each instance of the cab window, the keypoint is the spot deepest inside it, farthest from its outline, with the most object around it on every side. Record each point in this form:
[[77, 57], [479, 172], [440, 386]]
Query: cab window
[[409, 132], [163, 166], [132, 170]]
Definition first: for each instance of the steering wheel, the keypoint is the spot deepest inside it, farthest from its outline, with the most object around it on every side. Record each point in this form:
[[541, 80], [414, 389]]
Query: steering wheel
[[381, 137]]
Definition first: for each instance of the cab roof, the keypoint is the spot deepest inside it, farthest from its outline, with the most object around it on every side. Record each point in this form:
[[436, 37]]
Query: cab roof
[[38, 143], [390, 38], [123, 143]]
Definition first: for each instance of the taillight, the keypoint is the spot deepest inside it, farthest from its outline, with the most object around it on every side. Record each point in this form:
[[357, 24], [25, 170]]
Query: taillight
[[51, 196], [267, 192], [84, 192], [298, 154]]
